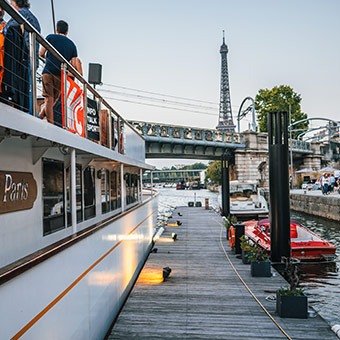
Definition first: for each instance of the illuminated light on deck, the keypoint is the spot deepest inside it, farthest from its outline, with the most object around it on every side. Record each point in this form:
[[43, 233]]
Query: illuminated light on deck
[[165, 240], [151, 276]]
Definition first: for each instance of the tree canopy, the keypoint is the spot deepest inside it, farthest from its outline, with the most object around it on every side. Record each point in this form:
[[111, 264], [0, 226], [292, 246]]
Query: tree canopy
[[277, 100], [214, 172]]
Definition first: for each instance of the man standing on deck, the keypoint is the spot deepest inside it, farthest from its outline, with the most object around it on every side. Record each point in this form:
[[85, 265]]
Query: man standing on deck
[[51, 75], [2, 40]]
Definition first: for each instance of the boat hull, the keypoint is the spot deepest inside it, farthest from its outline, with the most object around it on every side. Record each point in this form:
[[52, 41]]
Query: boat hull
[[78, 292], [314, 249]]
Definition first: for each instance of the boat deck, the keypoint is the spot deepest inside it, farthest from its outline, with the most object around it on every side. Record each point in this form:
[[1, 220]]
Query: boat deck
[[203, 298]]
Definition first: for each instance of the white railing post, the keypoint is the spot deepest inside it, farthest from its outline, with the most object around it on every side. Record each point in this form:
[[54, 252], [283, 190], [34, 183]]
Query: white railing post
[[64, 85], [73, 191], [122, 187], [151, 183], [140, 184]]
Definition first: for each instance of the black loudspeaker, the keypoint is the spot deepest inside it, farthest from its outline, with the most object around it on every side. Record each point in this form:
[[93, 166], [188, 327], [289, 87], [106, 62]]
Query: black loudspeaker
[[95, 74]]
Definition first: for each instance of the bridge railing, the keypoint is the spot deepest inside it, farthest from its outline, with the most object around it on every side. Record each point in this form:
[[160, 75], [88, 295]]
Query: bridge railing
[[300, 145], [149, 129]]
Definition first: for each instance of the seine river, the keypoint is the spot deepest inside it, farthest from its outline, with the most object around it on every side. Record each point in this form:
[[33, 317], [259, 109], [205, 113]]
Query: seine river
[[322, 281]]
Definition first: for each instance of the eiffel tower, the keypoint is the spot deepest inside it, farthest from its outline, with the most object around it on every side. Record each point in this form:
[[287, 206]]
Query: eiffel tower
[[225, 120]]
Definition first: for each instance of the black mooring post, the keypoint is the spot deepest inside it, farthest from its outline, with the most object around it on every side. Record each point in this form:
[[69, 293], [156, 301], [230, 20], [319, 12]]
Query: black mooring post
[[222, 186], [225, 187], [279, 185]]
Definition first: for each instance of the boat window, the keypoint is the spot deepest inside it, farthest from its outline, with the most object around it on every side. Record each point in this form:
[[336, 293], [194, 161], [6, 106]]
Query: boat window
[[105, 191], [242, 190], [79, 200], [128, 188], [53, 196], [89, 193], [114, 190]]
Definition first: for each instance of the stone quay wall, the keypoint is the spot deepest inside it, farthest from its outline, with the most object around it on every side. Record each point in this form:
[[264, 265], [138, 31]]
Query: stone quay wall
[[322, 206]]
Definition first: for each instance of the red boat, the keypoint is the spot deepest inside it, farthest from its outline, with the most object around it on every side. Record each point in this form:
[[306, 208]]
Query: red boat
[[305, 245]]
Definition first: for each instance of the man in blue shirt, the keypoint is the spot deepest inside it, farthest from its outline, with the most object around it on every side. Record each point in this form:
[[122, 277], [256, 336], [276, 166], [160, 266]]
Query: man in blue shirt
[[51, 75]]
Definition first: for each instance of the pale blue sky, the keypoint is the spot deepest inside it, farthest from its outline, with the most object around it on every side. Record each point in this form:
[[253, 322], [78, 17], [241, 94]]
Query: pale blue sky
[[172, 47]]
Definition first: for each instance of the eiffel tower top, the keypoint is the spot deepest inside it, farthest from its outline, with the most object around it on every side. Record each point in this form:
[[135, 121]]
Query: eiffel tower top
[[224, 47]]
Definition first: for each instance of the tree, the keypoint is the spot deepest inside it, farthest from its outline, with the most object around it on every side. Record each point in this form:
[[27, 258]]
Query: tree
[[214, 172], [277, 100]]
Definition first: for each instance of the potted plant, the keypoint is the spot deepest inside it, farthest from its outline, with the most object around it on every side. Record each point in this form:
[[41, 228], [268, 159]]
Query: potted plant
[[260, 265], [291, 302], [247, 247]]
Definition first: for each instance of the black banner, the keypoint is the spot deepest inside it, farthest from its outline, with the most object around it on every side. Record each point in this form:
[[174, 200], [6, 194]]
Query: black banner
[[92, 120]]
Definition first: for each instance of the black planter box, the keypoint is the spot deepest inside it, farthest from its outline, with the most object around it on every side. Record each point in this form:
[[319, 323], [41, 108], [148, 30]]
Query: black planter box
[[245, 255], [260, 269], [292, 306]]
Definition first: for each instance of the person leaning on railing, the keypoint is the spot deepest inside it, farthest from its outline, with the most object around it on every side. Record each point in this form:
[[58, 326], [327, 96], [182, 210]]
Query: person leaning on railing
[[2, 42], [51, 75], [16, 78]]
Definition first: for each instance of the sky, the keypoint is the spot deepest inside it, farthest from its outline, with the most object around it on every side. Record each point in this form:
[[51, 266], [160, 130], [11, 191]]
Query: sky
[[172, 48]]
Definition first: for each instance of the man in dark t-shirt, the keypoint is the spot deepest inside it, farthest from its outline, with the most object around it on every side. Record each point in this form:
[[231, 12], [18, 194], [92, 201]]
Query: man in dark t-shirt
[[51, 75]]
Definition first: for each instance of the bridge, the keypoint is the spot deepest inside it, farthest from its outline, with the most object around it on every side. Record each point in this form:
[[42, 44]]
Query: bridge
[[174, 176], [247, 151], [172, 141]]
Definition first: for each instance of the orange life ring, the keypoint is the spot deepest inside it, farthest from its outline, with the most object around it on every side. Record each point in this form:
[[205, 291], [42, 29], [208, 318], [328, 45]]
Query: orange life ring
[[231, 235]]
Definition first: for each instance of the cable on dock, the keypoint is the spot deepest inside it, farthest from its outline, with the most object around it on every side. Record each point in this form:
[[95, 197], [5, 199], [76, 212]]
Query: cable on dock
[[251, 293]]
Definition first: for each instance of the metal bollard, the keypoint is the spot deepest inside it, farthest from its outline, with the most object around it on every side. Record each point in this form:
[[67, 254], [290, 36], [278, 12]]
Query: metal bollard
[[206, 203]]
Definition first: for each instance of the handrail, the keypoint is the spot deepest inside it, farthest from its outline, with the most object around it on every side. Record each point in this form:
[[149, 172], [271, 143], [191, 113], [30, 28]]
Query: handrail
[[29, 28]]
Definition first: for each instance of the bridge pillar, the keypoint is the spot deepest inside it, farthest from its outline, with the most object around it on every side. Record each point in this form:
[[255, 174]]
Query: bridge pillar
[[279, 185], [225, 186]]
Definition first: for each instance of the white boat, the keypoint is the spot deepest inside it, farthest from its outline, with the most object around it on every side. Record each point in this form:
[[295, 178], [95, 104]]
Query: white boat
[[76, 227], [247, 201]]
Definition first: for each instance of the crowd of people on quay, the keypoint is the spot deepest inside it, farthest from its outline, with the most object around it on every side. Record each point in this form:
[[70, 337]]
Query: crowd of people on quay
[[329, 183]]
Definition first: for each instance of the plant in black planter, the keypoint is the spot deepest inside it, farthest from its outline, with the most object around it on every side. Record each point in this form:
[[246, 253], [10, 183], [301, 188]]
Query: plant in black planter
[[291, 302], [247, 247], [260, 265]]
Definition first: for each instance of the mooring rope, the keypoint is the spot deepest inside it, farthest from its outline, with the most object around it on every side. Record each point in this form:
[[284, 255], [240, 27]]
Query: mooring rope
[[251, 293]]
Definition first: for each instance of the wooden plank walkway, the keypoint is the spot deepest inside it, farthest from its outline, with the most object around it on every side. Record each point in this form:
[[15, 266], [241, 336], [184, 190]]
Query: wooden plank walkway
[[203, 298]]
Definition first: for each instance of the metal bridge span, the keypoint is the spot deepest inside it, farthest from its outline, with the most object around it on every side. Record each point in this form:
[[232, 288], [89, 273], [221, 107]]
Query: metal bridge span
[[172, 141]]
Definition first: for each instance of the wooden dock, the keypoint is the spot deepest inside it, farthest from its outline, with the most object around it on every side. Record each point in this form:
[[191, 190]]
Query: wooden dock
[[203, 298]]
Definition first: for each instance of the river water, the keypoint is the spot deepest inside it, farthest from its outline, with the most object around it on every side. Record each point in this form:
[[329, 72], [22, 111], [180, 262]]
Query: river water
[[322, 281]]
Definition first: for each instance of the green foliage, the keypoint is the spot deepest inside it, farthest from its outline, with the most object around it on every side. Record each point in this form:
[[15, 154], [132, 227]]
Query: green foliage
[[259, 254], [214, 172], [277, 100], [246, 244], [290, 292]]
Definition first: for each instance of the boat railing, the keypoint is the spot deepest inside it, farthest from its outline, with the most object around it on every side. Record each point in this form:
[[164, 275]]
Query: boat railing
[[82, 110]]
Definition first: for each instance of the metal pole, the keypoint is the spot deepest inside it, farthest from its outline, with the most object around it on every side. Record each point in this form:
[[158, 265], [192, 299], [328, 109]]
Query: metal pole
[[53, 16], [64, 85], [85, 109], [110, 129], [100, 120], [32, 70], [254, 122], [141, 184], [122, 189], [73, 191], [291, 146], [151, 184]]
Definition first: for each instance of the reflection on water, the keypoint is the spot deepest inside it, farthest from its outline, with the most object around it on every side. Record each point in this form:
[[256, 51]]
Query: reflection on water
[[322, 281]]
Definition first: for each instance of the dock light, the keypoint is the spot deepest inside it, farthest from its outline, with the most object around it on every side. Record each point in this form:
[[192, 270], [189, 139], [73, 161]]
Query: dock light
[[166, 272], [179, 222], [174, 236], [180, 214], [154, 250]]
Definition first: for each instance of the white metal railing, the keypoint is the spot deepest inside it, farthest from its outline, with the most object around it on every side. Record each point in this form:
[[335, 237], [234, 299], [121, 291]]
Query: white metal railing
[[111, 128]]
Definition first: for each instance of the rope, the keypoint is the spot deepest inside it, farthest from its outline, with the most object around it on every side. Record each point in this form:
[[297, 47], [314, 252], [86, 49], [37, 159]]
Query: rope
[[251, 293]]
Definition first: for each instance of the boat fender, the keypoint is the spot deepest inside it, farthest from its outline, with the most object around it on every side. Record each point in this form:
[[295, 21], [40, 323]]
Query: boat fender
[[336, 330], [231, 235]]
